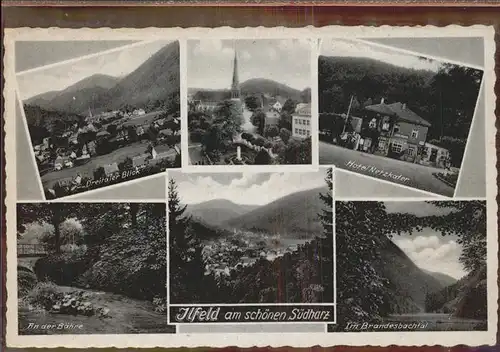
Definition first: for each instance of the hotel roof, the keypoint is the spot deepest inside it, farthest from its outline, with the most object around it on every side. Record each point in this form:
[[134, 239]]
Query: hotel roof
[[400, 111]]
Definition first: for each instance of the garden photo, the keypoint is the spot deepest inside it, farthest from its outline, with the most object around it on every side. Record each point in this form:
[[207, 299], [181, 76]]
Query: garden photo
[[92, 268]]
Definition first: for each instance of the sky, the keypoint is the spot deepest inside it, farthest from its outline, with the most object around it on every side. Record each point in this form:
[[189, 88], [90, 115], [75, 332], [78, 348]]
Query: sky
[[244, 188], [428, 249], [210, 62], [117, 63], [348, 48]]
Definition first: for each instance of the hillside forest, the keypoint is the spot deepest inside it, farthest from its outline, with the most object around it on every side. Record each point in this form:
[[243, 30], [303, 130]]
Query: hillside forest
[[102, 261], [446, 98], [376, 280], [153, 86], [301, 276]]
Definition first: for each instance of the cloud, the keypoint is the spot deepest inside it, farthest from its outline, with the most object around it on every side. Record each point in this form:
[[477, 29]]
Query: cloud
[[247, 188], [347, 48], [211, 48], [433, 253]]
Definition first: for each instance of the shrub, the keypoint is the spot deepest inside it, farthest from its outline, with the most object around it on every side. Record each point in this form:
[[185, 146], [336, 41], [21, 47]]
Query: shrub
[[196, 135], [63, 269], [271, 131], [44, 295], [248, 136], [133, 263], [259, 142], [285, 135], [26, 280]]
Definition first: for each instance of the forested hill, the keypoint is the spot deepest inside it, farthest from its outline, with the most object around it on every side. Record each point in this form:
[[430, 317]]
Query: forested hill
[[407, 281], [155, 82], [446, 98], [466, 298], [292, 215]]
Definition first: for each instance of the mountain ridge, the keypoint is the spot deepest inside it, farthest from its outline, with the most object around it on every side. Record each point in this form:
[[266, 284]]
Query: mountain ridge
[[217, 211], [292, 215], [157, 78]]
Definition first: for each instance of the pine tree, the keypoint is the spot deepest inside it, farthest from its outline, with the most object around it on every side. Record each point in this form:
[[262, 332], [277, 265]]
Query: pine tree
[[186, 261], [325, 244]]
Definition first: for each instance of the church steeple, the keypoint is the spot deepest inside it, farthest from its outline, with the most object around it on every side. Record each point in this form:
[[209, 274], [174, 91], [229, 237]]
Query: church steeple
[[235, 85]]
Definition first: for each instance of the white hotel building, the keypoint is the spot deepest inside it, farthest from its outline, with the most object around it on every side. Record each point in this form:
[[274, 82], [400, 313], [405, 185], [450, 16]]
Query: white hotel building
[[301, 121]]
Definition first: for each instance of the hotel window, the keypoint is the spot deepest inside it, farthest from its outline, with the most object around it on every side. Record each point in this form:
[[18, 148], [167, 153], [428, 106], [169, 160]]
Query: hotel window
[[397, 147], [296, 131], [411, 151], [308, 122], [414, 134], [308, 133], [396, 128]]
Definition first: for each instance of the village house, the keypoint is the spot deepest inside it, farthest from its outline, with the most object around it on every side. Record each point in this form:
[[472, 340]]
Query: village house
[[139, 112], [200, 105], [160, 151], [301, 121], [110, 169], [434, 155], [277, 103]]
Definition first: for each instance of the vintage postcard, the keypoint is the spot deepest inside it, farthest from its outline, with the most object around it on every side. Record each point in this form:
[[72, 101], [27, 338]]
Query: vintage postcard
[[249, 102], [101, 119], [250, 249], [336, 187], [398, 116]]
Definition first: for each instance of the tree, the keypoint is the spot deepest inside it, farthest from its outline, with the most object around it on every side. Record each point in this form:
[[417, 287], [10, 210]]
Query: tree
[[258, 119], [359, 226], [297, 152], [289, 106], [112, 129], [186, 261], [214, 140], [285, 135], [252, 103], [132, 133], [271, 131], [285, 120], [52, 213], [126, 164], [99, 172], [325, 243], [262, 158]]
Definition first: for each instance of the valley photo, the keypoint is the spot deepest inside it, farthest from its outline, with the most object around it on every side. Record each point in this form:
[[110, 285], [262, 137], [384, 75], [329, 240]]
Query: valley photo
[[92, 268], [104, 119], [249, 102], [400, 117], [251, 238], [411, 266]]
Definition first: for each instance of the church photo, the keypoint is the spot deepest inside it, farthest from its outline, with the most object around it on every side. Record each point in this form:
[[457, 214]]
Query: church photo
[[249, 102]]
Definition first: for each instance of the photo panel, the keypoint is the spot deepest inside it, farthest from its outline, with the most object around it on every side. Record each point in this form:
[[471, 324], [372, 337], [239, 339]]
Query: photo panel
[[251, 247], [102, 119], [395, 115], [249, 102], [411, 266], [92, 268]]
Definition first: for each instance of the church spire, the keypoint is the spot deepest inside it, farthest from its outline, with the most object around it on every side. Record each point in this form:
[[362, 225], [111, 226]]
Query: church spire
[[235, 86]]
